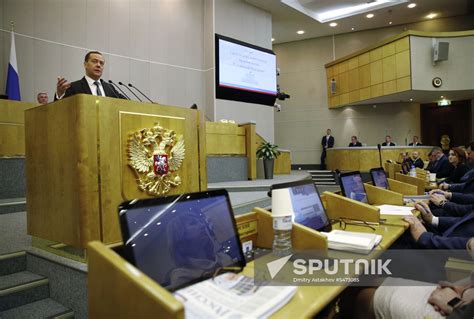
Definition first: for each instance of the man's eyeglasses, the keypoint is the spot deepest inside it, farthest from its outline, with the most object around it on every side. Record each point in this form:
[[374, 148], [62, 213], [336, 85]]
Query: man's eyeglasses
[[343, 221]]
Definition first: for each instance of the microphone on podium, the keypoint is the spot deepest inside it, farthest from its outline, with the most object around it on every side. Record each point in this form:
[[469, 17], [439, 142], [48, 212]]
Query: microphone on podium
[[379, 147], [120, 83], [111, 82], [131, 85]]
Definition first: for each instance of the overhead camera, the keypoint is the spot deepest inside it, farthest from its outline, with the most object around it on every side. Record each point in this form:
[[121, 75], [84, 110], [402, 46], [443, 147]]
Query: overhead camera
[[281, 95]]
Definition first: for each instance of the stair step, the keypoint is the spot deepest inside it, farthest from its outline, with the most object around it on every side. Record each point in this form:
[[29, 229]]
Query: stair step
[[21, 288], [12, 205], [12, 263], [46, 308]]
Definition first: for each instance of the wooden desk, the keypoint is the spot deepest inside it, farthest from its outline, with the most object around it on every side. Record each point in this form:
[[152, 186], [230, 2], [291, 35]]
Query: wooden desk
[[310, 300]]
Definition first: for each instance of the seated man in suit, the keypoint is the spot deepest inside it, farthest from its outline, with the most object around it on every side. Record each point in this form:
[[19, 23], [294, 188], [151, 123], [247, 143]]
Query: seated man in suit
[[441, 166], [388, 141], [451, 232], [354, 142], [415, 142], [417, 161], [91, 83]]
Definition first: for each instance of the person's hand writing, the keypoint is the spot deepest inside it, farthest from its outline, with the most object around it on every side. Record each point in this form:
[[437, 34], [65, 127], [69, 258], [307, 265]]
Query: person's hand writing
[[61, 86]]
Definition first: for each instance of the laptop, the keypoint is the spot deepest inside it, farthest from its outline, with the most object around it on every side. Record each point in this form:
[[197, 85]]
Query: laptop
[[352, 186], [307, 205], [183, 239], [379, 178]]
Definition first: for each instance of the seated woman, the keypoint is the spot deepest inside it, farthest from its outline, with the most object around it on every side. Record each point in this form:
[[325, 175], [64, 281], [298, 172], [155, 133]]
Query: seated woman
[[401, 298], [457, 158]]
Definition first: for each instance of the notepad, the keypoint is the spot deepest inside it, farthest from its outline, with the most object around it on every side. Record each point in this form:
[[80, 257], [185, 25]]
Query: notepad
[[355, 242], [395, 210]]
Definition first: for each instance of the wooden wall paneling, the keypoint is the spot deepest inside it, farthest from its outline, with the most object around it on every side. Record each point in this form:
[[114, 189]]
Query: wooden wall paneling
[[390, 87], [283, 163], [364, 76], [389, 69], [343, 83], [12, 128], [353, 63], [364, 93], [376, 72], [404, 84], [353, 80], [388, 50], [402, 64], [364, 59], [201, 120], [402, 44], [376, 54], [376, 90]]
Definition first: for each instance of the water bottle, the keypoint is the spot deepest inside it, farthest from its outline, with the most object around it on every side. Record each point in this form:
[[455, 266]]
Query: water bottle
[[282, 213], [282, 227], [413, 171]]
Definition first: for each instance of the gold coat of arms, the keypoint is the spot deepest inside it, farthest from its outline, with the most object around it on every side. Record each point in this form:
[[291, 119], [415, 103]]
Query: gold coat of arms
[[156, 154]]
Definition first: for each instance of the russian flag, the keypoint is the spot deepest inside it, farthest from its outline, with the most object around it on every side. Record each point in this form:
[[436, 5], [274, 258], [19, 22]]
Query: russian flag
[[13, 81]]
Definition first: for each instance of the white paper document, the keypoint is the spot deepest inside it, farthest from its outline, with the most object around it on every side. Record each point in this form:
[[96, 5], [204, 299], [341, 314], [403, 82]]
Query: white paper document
[[356, 242], [395, 210], [232, 296]]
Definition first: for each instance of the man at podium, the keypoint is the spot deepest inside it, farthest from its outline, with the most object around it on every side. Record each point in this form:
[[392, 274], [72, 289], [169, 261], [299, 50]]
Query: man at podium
[[91, 83]]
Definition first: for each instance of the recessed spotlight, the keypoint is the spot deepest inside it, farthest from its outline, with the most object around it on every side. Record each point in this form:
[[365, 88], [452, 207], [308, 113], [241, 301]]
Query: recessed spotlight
[[370, 15], [333, 24], [352, 29], [273, 39], [442, 96], [390, 22], [432, 15], [411, 100], [411, 5], [300, 31]]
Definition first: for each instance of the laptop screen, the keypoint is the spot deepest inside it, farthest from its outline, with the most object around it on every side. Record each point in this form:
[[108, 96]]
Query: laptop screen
[[352, 186], [307, 205], [179, 240], [379, 178]]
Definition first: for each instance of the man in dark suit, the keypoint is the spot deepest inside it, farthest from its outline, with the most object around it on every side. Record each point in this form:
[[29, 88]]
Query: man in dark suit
[[452, 232], [441, 166], [388, 141], [326, 142], [415, 142], [91, 83], [417, 161], [354, 142]]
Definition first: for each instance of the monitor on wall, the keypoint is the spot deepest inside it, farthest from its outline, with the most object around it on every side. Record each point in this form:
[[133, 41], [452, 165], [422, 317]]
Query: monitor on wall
[[245, 72]]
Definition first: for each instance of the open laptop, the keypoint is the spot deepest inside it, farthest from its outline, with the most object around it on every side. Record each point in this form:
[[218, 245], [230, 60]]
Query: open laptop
[[379, 178], [183, 239], [307, 205], [352, 186]]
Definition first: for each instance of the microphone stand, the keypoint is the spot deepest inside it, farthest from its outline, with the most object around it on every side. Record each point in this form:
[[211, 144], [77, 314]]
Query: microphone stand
[[380, 154], [130, 91], [130, 85], [111, 82]]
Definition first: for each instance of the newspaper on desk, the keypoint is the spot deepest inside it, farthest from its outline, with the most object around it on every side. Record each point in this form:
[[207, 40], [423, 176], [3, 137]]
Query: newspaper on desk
[[232, 296], [355, 242], [395, 210]]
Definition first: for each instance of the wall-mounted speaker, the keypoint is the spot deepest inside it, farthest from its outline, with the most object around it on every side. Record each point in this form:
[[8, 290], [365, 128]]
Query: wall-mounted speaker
[[440, 51], [333, 86]]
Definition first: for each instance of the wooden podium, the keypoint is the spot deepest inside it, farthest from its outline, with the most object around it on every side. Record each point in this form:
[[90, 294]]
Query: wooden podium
[[77, 163]]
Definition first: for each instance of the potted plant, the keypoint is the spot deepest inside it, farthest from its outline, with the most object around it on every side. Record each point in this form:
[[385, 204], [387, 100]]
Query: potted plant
[[268, 152]]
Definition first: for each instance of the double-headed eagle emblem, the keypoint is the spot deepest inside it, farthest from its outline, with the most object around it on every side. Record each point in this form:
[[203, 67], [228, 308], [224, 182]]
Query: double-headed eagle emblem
[[156, 154]]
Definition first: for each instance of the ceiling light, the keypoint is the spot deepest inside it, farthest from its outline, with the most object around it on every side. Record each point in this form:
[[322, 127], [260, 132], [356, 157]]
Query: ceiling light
[[411, 5], [352, 29], [300, 31], [333, 24], [411, 100], [370, 15], [273, 39], [432, 15], [442, 97], [390, 22]]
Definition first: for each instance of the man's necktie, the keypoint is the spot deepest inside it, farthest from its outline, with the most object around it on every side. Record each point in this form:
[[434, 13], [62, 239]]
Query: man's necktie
[[99, 93]]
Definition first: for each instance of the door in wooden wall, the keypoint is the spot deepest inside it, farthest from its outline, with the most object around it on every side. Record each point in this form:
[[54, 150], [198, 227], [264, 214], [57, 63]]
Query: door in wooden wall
[[453, 120]]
